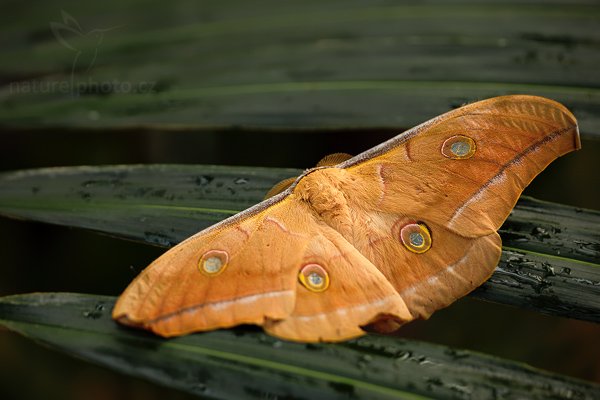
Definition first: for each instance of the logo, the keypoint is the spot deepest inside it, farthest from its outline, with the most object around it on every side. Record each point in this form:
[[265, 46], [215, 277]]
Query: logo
[[85, 44]]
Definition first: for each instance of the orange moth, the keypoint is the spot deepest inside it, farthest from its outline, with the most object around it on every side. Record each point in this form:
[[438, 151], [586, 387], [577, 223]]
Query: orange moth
[[377, 240]]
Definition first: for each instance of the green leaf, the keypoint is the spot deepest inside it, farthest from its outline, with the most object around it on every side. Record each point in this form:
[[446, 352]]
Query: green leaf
[[549, 263], [246, 364], [158, 204], [293, 64]]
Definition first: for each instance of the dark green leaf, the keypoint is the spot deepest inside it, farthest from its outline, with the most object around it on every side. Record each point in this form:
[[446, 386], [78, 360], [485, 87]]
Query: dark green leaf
[[246, 364], [549, 262], [158, 204], [293, 64]]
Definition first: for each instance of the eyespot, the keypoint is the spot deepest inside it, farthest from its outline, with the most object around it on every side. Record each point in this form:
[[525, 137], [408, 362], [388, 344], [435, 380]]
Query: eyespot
[[459, 147], [213, 262], [416, 237], [314, 278]]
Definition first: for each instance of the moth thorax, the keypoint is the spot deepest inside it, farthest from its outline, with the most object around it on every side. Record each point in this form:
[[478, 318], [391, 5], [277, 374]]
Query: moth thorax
[[322, 190]]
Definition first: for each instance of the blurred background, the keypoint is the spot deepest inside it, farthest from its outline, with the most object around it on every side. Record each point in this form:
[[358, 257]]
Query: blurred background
[[268, 83]]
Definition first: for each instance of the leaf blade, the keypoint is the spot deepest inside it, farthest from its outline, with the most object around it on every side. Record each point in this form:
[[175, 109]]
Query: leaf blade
[[549, 262], [208, 364], [319, 77]]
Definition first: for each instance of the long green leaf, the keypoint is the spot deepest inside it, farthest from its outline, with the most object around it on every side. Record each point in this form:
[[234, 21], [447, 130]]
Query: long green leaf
[[309, 64], [549, 263], [158, 204], [246, 364]]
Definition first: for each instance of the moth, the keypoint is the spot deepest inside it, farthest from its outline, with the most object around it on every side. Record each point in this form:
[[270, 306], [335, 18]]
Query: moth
[[369, 243]]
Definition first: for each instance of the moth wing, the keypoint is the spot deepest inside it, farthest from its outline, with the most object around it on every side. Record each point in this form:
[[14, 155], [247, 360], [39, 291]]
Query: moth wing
[[258, 284], [462, 201], [358, 295], [175, 295], [452, 267], [514, 139]]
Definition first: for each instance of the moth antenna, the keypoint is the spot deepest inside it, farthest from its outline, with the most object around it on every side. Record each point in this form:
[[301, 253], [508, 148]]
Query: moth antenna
[[327, 161], [280, 187], [333, 159]]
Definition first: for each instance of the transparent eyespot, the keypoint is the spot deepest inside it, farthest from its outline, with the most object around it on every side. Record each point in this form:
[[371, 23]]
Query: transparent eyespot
[[213, 262], [416, 237], [314, 278], [459, 147]]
